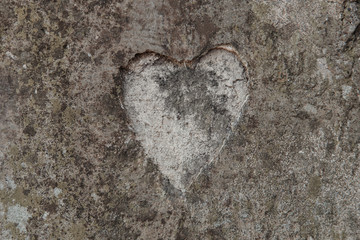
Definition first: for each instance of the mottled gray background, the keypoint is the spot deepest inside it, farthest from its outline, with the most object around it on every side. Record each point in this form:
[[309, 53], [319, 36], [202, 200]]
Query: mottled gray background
[[70, 168]]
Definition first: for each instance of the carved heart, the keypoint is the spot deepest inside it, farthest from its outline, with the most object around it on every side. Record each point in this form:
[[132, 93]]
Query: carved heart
[[182, 113]]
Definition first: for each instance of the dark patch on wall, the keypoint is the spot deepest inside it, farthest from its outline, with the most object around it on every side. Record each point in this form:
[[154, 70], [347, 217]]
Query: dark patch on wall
[[205, 26], [29, 130]]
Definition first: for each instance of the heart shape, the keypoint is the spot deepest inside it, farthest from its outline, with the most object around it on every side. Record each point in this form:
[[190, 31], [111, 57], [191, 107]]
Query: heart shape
[[183, 112]]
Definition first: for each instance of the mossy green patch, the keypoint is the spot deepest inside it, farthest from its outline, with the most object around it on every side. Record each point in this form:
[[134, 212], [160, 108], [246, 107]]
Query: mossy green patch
[[70, 115], [260, 10], [78, 231], [314, 186]]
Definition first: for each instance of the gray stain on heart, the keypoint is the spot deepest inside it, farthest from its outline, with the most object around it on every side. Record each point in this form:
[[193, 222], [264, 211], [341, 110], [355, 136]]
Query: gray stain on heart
[[210, 113]]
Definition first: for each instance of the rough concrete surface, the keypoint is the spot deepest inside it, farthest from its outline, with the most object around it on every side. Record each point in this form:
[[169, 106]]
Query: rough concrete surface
[[261, 137]]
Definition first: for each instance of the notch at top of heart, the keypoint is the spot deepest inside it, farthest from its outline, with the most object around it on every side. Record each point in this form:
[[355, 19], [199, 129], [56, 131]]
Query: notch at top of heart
[[149, 57]]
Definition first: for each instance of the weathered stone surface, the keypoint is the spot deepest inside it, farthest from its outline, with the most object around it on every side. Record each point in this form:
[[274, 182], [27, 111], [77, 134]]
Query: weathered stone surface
[[71, 167]]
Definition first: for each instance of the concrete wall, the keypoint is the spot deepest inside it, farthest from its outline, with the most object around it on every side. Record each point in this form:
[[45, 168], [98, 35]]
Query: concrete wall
[[228, 119]]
